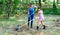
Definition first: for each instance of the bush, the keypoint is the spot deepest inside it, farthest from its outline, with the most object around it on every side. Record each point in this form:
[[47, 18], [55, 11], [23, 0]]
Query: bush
[[50, 11]]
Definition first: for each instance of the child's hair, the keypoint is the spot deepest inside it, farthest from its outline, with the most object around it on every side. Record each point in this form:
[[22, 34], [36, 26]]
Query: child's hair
[[39, 7]]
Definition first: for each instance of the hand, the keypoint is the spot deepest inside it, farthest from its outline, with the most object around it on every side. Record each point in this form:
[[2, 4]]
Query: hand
[[28, 12]]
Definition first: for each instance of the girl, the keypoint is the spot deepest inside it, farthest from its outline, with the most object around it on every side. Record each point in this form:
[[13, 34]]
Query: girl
[[40, 18]]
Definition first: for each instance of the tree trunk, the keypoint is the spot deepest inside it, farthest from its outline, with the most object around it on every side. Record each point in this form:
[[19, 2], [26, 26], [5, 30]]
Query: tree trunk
[[54, 7], [9, 8], [40, 3]]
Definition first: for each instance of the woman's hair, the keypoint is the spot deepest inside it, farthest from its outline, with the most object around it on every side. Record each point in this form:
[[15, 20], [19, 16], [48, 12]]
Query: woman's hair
[[39, 7]]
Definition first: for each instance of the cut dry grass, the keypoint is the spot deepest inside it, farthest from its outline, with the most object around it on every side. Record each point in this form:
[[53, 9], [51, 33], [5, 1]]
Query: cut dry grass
[[7, 26]]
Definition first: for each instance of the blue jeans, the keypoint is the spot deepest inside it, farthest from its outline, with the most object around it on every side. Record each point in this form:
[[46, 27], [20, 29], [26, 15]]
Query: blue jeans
[[30, 20]]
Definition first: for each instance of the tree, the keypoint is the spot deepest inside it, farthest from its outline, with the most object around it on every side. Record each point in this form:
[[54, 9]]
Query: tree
[[8, 7], [54, 7], [40, 3]]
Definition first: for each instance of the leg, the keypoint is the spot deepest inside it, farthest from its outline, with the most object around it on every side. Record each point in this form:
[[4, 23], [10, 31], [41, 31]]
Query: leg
[[43, 25], [39, 22], [28, 21], [32, 17], [42, 22]]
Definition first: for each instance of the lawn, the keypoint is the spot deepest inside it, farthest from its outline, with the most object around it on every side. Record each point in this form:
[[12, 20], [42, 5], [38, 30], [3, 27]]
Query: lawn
[[7, 26]]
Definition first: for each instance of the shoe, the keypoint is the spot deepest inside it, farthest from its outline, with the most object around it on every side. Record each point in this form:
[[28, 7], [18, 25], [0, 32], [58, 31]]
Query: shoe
[[44, 27], [37, 27]]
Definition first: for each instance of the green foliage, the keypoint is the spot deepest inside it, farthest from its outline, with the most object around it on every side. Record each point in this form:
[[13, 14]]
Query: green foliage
[[44, 0], [12, 5], [54, 8], [50, 11], [15, 6]]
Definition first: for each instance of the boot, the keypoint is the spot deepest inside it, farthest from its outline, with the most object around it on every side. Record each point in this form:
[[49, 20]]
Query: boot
[[44, 27], [37, 27]]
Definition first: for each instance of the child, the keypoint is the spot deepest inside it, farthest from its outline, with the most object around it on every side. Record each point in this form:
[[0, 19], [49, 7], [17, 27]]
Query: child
[[40, 18], [30, 15]]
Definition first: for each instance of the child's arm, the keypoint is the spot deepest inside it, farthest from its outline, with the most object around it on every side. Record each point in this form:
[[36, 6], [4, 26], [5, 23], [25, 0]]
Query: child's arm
[[38, 13]]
